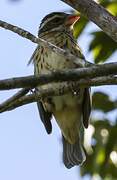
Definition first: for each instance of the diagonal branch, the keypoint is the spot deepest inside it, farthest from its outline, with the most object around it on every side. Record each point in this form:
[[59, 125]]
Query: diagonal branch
[[98, 14], [59, 76], [25, 34], [90, 76], [11, 103], [15, 97]]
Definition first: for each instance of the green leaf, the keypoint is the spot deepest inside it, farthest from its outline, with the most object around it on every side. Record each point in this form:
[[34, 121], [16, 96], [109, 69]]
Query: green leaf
[[102, 102], [105, 3], [102, 46], [110, 5], [80, 26], [99, 161], [109, 147], [112, 8]]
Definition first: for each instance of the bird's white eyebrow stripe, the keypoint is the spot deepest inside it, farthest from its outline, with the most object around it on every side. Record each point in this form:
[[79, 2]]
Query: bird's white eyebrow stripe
[[49, 19]]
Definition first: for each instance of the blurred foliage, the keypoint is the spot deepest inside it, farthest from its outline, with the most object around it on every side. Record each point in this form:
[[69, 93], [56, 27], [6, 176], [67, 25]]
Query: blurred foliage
[[102, 150], [79, 27], [102, 102], [101, 45], [103, 159], [102, 154]]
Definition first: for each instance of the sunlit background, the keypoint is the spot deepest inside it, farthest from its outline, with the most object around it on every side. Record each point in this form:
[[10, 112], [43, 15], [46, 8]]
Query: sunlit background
[[26, 151]]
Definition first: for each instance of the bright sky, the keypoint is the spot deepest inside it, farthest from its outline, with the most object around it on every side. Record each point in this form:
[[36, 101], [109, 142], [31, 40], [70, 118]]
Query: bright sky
[[26, 151]]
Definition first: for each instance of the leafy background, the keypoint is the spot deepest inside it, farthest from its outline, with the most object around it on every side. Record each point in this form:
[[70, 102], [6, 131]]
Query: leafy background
[[101, 160], [101, 149]]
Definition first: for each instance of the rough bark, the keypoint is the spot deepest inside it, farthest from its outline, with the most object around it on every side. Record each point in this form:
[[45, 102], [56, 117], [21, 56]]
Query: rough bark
[[19, 99], [96, 13], [58, 76]]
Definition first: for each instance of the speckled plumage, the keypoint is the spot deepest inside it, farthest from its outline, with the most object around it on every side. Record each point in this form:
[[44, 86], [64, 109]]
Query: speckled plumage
[[68, 109]]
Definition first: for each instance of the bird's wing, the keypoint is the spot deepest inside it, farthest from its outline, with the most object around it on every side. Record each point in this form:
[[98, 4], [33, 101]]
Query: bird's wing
[[86, 107], [45, 117], [31, 60]]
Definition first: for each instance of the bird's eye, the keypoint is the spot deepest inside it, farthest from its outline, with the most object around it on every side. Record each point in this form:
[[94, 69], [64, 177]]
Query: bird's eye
[[56, 20]]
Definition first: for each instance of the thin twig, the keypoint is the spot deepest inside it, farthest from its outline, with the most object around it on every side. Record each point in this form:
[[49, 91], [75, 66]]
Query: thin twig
[[14, 98], [59, 76], [25, 34]]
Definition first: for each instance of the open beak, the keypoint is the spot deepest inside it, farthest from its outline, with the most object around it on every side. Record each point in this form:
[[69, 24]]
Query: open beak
[[72, 19]]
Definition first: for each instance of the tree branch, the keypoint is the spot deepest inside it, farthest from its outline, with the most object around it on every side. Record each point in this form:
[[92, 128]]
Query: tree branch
[[11, 103], [93, 11], [96, 13], [59, 76], [14, 98], [25, 34], [90, 76]]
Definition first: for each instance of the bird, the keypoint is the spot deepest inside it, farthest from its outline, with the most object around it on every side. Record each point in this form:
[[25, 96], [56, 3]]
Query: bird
[[71, 110]]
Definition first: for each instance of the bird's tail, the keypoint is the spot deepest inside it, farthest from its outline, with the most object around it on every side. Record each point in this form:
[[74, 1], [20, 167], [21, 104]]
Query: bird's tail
[[73, 154]]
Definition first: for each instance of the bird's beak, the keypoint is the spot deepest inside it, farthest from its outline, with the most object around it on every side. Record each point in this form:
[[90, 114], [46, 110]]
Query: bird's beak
[[72, 19]]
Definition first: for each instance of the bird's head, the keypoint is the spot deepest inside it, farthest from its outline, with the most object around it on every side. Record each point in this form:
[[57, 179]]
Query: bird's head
[[58, 21]]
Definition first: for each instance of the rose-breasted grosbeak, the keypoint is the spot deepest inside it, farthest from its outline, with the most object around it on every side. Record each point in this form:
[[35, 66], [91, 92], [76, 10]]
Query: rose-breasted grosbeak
[[71, 110]]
